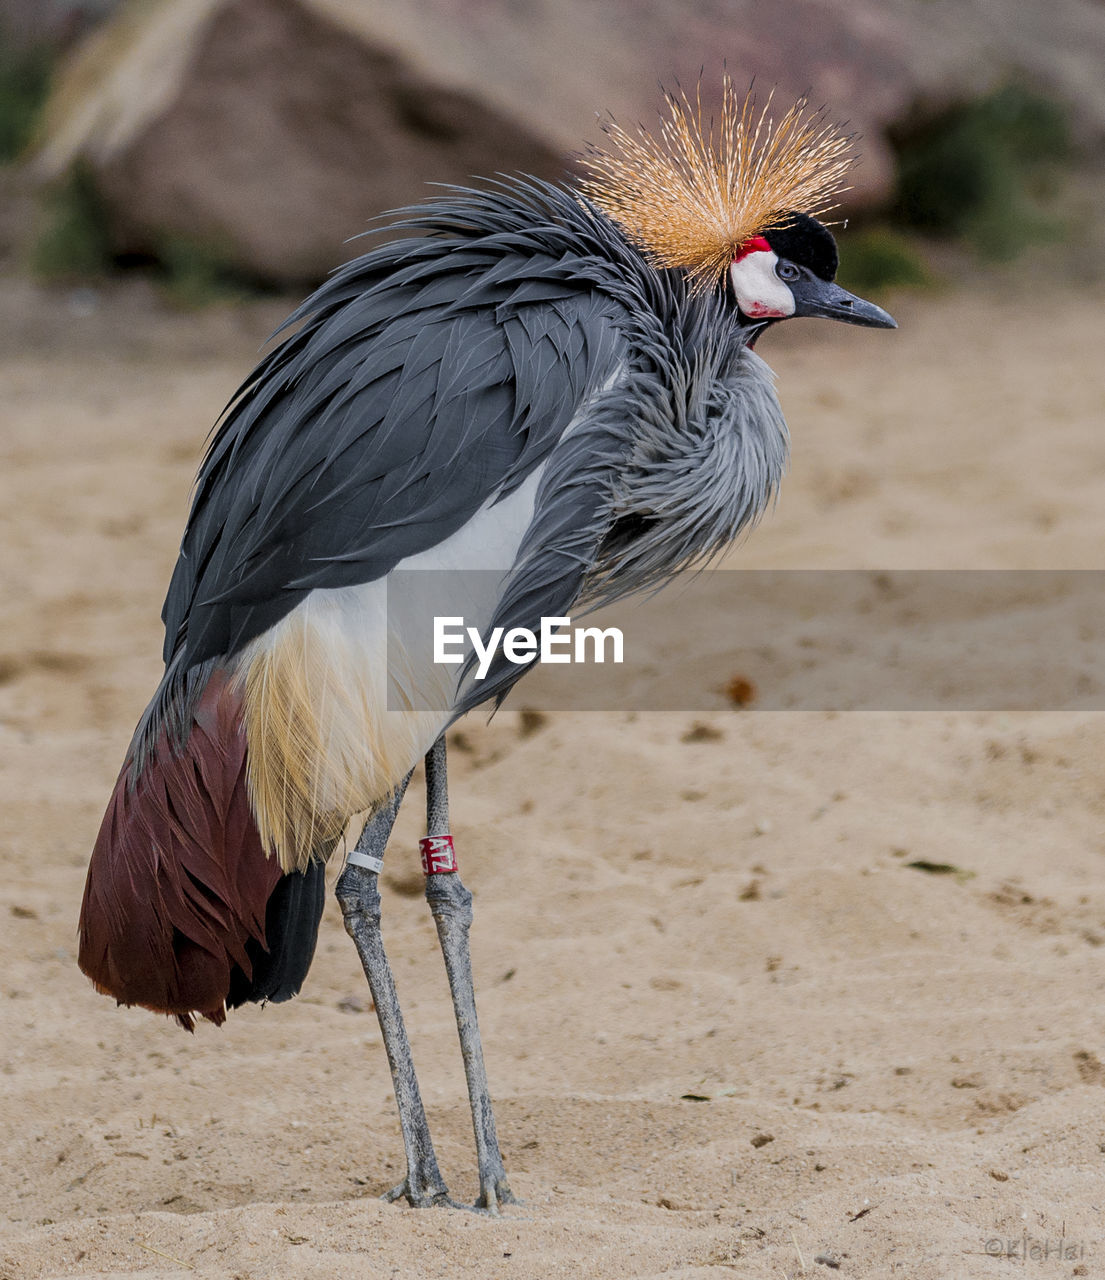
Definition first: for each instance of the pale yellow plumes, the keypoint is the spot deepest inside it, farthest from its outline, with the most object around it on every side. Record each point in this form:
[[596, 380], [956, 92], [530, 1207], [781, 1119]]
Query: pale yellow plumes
[[692, 195], [323, 743]]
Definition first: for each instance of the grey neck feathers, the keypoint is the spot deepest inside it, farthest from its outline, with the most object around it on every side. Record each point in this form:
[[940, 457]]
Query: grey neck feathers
[[698, 482]]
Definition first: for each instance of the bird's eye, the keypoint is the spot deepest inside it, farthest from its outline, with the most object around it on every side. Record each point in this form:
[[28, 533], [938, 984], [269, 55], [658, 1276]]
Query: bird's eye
[[787, 271]]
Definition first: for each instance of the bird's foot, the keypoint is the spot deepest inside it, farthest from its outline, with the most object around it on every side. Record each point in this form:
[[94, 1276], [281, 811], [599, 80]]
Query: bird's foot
[[422, 1194], [494, 1193]]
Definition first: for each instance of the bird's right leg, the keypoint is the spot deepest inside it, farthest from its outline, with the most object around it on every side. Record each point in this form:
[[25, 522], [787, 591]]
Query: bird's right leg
[[359, 895], [451, 905]]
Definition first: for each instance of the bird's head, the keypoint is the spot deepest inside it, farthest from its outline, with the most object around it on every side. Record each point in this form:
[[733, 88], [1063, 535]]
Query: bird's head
[[721, 202], [791, 271]]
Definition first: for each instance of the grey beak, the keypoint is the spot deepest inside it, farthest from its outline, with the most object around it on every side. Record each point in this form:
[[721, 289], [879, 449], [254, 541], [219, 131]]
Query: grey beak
[[813, 297]]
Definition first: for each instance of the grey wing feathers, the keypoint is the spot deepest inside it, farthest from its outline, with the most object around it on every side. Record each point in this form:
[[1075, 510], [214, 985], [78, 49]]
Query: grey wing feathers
[[427, 377]]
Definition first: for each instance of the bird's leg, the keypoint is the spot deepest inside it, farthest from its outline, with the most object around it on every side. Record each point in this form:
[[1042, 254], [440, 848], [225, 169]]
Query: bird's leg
[[359, 895], [451, 904]]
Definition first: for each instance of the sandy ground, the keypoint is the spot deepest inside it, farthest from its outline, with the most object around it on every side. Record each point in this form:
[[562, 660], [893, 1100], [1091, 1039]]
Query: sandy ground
[[729, 1029]]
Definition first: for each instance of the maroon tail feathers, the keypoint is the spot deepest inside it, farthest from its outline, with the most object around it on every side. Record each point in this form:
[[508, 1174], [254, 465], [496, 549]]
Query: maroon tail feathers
[[174, 911]]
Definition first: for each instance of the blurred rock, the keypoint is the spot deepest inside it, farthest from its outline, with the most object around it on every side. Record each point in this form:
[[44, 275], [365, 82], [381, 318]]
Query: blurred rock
[[263, 130], [56, 23], [273, 130], [960, 49]]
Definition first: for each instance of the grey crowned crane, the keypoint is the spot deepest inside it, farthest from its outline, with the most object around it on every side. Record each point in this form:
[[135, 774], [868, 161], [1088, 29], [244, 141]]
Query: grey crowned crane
[[555, 382]]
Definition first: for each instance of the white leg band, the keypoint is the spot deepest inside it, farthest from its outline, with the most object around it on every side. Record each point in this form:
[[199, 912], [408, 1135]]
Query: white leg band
[[359, 859]]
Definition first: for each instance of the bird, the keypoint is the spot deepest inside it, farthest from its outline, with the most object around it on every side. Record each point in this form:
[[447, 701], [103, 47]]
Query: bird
[[553, 385]]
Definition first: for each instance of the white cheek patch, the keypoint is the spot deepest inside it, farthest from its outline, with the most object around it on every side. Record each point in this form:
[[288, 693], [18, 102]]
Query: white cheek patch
[[759, 291]]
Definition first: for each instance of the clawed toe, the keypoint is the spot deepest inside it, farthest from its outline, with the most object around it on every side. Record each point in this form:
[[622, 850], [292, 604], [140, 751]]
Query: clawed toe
[[495, 1196], [422, 1197]]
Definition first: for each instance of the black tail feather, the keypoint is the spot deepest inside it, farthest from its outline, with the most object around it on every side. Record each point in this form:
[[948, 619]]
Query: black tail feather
[[291, 931]]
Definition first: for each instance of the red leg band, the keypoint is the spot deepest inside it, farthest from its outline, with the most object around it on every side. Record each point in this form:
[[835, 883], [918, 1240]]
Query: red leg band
[[438, 855]]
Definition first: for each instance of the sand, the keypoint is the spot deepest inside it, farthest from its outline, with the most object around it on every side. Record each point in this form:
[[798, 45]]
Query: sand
[[729, 1028]]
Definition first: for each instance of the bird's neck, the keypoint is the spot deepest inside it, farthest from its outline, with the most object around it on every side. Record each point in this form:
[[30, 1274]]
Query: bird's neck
[[695, 480]]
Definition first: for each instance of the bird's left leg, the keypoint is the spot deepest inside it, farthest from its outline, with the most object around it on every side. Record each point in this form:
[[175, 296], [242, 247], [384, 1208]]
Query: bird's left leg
[[451, 904], [359, 896]]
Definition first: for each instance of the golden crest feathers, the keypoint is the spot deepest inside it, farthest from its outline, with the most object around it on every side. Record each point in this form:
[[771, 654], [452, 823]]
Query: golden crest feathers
[[690, 196]]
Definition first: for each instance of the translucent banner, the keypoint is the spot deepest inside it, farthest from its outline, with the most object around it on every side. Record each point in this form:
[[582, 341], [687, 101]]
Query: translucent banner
[[770, 640]]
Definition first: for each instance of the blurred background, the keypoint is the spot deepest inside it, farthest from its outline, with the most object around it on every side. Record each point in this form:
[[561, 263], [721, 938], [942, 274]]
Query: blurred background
[[238, 144], [755, 987]]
